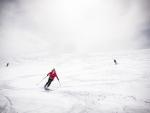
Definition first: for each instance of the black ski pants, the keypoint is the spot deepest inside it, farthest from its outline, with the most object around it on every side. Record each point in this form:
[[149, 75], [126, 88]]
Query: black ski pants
[[48, 82]]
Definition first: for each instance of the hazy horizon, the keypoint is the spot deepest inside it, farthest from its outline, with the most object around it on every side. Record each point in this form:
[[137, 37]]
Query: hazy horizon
[[64, 26]]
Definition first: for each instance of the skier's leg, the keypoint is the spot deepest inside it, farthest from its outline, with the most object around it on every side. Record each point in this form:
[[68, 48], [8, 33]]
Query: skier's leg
[[49, 82], [46, 85]]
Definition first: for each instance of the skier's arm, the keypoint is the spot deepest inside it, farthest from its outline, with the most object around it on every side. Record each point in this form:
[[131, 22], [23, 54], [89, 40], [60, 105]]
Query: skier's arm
[[48, 74]]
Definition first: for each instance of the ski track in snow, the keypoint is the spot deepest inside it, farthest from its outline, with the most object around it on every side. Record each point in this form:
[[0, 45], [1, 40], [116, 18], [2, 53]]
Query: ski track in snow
[[89, 84]]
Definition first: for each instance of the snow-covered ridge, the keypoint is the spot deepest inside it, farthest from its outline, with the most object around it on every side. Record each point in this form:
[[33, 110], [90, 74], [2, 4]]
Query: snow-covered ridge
[[89, 83]]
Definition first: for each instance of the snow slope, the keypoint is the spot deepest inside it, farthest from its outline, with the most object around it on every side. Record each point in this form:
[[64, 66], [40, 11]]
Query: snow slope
[[89, 83]]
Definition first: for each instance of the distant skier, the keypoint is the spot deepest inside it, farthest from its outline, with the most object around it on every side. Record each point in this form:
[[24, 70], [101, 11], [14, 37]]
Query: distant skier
[[7, 64], [115, 61], [51, 75]]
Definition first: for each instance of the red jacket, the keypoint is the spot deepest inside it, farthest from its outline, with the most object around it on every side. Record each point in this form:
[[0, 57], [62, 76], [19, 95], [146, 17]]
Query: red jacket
[[52, 74]]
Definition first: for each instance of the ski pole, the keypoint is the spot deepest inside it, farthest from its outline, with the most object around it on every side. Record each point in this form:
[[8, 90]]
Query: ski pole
[[41, 80]]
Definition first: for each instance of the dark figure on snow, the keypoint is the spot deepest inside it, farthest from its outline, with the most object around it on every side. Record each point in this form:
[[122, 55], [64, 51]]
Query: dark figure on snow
[[115, 61], [7, 64], [51, 75]]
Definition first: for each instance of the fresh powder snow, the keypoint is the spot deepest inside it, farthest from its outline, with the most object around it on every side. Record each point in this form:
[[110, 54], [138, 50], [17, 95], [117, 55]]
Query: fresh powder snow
[[89, 83]]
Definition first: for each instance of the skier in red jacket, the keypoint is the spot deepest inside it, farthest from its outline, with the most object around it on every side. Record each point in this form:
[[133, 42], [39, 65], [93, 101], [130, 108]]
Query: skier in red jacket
[[51, 75]]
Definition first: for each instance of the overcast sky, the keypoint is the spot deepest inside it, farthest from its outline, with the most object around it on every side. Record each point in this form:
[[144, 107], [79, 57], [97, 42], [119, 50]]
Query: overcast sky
[[64, 26]]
